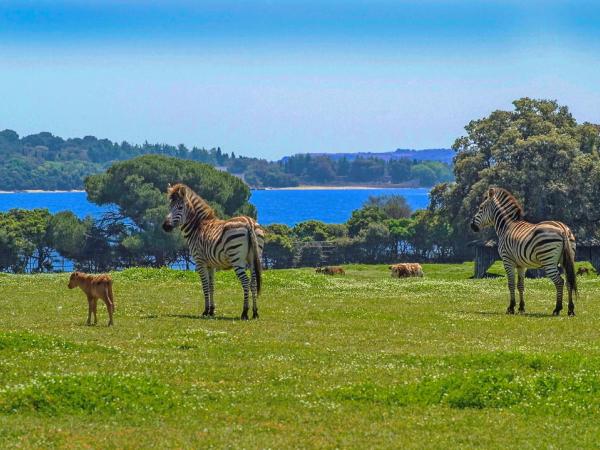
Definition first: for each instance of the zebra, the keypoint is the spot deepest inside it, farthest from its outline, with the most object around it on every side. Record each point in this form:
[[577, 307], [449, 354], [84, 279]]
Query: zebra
[[217, 244], [523, 245]]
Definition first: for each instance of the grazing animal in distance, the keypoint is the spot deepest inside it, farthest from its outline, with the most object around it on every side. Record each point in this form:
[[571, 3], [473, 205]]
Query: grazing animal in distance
[[95, 287], [217, 244], [331, 270], [403, 270], [583, 271], [524, 245]]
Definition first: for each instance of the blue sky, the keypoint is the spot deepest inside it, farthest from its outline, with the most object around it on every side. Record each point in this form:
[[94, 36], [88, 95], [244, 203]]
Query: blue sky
[[270, 78]]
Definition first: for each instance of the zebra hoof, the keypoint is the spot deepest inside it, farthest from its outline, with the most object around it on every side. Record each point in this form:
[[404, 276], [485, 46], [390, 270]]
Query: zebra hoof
[[255, 314], [244, 315], [206, 312], [556, 312], [510, 310], [211, 312], [572, 313]]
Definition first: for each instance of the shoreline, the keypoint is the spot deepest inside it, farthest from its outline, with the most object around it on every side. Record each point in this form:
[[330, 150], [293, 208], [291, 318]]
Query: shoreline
[[307, 187], [337, 188], [39, 191]]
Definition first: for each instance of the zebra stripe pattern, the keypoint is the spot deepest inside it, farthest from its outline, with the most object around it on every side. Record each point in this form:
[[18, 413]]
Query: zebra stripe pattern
[[524, 245], [217, 244]]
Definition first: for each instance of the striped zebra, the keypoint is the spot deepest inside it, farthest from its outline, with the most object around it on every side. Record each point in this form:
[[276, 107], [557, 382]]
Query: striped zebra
[[217, 244], [525, 245]]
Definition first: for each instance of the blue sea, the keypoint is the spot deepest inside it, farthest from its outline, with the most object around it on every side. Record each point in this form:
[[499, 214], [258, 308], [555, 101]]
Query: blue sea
[[274, 206]]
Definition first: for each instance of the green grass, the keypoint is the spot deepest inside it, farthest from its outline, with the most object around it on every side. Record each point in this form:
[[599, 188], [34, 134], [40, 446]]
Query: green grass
[[361, 361]]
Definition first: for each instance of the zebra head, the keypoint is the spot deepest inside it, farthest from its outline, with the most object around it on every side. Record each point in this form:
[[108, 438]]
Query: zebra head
[[484, 216], [176, 208]]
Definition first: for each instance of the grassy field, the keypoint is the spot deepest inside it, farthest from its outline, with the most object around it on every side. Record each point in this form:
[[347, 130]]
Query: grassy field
[[361, 361]]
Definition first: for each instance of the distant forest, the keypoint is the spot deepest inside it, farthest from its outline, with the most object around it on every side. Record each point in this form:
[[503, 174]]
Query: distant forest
[[48, 162]]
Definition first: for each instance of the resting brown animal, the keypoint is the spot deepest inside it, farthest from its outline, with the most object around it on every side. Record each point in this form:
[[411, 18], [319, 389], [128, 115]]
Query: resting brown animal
[[331, 270], [583, 270], [403, 270], [95, 287]]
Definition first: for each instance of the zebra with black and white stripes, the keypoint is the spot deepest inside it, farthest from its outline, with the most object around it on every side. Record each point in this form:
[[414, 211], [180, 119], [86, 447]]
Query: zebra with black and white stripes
[[524, 245], [217, 244]]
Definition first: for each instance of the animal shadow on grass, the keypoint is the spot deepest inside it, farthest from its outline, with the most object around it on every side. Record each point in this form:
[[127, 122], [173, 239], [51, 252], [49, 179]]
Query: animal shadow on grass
[[192, 316], [536, 315], [487, 275]]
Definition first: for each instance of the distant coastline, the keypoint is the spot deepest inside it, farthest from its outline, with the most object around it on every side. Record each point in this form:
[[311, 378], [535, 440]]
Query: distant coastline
[[309, 187], [304, 187], [41, 191]]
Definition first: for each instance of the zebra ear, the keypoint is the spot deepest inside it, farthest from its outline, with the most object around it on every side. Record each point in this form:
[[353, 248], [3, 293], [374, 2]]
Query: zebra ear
[[491, 192]]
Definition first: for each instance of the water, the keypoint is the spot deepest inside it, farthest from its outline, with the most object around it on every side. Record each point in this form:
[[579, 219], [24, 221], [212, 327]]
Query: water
[[286, 206], [329, 206]]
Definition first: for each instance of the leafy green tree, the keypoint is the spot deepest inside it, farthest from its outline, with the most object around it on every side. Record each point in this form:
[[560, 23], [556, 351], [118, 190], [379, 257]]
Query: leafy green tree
[[394, 206], [279, 246], [376, 242], [366, 169], [539, 153], [67, 233], [311, 230], [424, 174], [400, 170], [24, 238], [138, 188]]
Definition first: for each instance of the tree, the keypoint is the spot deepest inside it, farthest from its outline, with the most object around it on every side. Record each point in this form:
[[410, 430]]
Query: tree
[[68, 234], [400, 170], [366, 169], [279, 246], [311, 230], [24, 238], [394, 206], [322, 169], [540, 154], [137, 187], [363, 217]]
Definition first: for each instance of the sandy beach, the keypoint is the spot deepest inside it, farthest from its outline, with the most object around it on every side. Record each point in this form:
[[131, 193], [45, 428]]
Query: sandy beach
[[333, 188]]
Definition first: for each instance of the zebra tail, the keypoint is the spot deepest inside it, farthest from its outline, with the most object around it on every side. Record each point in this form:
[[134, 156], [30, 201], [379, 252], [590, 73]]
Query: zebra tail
[[255, 257], [568, 262]]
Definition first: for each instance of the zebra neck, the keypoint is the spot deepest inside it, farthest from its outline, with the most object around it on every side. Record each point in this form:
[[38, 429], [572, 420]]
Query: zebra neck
[[193, 223], [502, 221]]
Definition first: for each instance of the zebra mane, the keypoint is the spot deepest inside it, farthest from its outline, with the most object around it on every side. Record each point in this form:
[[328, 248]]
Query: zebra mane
[[192, 200], [508, 202]]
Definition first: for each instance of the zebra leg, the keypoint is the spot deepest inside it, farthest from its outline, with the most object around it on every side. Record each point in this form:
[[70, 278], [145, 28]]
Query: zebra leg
[[521, 288], [510, 275], [552, 273], [211, 291], [243, 277], [253, 289], [571, 304], [203, 272]]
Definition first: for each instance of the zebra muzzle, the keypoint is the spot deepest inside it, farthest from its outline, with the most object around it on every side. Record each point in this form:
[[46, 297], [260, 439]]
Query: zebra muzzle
[[474, 227], [167, 226]]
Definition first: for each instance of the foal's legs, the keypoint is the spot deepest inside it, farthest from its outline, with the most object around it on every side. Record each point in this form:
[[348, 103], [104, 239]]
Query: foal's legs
[[94, 305], [109, 306], [510, 276], [90, 309], [521, 288]]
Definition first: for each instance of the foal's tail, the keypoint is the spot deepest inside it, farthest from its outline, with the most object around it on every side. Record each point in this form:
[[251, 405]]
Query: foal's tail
[[568, 263]]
